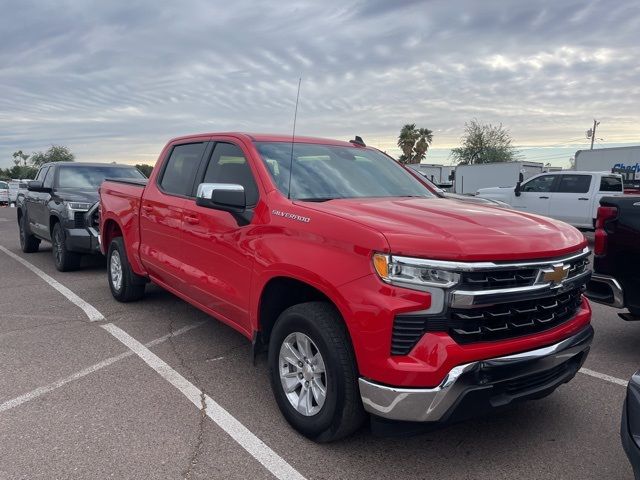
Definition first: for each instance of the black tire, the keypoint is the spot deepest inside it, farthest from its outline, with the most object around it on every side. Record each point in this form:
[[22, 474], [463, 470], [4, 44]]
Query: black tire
[[63, 259], [130, 287], [28, 242], [342, 412]]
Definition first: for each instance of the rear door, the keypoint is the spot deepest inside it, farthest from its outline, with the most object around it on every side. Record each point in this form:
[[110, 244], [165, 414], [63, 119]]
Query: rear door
[[571, 199], [36, 205], [218, 256], [535, 195], [161, 211]]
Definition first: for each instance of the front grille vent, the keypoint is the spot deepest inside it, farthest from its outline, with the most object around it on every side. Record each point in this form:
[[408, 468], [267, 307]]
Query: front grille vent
[[78, 219]]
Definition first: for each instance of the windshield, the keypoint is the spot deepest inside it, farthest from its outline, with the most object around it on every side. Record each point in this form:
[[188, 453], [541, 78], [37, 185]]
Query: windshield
[[325, 172], [91, 176]]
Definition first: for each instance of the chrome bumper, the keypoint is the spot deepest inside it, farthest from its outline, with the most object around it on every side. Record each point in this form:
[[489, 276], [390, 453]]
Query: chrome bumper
[[616, 299], [488, 378]]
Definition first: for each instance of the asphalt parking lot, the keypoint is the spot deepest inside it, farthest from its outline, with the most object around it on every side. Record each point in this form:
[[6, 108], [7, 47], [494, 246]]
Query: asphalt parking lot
[[84, 399]]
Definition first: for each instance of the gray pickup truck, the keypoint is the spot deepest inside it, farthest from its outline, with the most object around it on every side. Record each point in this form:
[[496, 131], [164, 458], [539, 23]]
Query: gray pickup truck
[[61, 207]]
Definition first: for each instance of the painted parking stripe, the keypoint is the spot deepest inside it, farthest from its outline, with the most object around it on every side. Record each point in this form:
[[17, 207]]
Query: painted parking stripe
[[604, 376], [236, 430], [92, 313], [38, 392]]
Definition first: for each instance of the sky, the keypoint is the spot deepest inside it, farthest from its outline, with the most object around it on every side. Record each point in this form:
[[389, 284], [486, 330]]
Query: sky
[[115, 80]]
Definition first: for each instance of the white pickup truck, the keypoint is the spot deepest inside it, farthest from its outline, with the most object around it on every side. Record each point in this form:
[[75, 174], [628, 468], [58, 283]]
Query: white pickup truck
[[570, 196]]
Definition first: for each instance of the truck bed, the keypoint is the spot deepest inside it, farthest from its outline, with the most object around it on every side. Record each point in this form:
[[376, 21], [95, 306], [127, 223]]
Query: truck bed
[[120, 199]]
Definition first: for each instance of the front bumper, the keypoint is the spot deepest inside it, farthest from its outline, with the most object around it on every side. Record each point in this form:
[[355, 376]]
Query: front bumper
[[83, 240], [630, 425], [478, 386], [605, 289]]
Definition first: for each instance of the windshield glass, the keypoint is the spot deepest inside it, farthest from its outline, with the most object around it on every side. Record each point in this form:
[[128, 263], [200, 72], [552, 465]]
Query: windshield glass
[[91, 176], [325, 172]]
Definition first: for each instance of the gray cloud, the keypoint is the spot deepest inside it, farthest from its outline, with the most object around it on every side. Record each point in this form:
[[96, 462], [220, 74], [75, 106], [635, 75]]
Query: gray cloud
[[114, 80]]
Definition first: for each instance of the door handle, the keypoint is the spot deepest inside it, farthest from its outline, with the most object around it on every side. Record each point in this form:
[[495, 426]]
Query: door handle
[[546, 198], [147, 208], [583, 198], [192, 220]]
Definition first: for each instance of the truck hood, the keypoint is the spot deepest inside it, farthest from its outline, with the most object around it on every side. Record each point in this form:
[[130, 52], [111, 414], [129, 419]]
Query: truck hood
[[73, 195], [445, 229]]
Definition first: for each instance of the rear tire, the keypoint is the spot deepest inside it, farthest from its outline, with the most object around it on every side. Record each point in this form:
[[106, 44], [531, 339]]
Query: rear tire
[[326, 347], [125, 285], [28, 242], [63, 259]]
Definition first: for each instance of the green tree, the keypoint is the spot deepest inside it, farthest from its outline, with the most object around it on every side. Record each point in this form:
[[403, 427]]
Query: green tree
[[55, 153], [414, 143], [145, 169], [20, 158], [484, 143]]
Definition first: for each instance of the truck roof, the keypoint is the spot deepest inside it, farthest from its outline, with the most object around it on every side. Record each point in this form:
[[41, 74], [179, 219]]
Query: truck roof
[[267, 137], [87, 164]]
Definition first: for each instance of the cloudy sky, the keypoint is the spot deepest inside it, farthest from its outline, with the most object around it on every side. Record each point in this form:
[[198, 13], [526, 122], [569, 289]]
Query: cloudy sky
[[114, 80]]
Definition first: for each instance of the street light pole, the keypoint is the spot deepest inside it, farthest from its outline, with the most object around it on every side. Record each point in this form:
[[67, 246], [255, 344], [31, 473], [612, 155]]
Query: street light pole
[[593, 132]]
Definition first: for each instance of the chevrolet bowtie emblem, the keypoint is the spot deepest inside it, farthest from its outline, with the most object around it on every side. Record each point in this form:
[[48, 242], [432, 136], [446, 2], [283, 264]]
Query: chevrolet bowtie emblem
[[556, 275]]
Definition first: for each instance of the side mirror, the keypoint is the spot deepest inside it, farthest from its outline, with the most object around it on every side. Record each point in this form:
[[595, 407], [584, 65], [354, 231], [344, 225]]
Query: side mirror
[[518, 189], [521, 177], [228, 197], [36, 186]]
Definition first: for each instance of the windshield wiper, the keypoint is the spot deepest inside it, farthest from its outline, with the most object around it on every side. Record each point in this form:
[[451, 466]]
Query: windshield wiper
[[316, 199]]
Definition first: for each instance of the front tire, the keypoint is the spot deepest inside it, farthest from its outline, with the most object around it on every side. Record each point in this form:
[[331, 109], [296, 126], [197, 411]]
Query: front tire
[[125, 285], [28, 243], [313, 372], [63, 259]]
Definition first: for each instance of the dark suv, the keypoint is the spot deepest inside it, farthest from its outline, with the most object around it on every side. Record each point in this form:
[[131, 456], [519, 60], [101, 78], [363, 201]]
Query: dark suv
[[61, 207]]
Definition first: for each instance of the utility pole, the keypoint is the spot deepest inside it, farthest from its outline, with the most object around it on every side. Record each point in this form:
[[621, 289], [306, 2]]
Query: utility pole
[[593, 132]]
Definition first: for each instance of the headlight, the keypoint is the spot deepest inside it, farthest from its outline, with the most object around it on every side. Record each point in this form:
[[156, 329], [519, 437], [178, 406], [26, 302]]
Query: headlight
[[413, 272], [77, 207]]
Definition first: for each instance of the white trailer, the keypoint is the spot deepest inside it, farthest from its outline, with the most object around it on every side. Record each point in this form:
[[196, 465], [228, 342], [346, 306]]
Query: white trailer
[[606, 159], [438, 174], [470, 178]]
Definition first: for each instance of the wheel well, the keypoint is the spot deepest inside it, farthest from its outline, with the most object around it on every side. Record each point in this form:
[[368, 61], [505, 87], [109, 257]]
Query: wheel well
[[52, 221], [111, 231], [279, 294]]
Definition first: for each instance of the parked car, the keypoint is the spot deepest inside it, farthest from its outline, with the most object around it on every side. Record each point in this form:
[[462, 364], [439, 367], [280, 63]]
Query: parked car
[[572, 197], [616, 260], [630, 425], [61, 207], [4, 193], [16, 187], [369, 293]]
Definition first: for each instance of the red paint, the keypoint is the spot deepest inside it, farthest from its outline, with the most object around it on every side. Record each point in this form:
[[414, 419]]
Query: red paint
[[203, 256]]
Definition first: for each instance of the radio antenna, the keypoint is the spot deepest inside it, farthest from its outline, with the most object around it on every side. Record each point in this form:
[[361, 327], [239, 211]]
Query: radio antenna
[[293, 137]]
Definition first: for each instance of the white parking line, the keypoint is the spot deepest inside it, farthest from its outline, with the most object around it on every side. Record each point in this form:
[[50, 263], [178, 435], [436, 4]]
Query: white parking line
[[32, 395], [236, 430], [91, 312], [604, 376]]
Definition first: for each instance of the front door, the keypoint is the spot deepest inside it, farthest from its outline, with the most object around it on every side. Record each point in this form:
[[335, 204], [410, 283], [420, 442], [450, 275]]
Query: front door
[[219, 259], [535, 195], [36, 209]]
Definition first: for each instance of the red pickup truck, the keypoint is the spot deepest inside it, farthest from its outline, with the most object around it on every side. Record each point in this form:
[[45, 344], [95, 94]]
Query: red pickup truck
[[370, 294]]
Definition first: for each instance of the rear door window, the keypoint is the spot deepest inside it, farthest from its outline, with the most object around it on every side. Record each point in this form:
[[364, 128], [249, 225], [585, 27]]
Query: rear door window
[[180, 171], [611, 184], [574, 184]]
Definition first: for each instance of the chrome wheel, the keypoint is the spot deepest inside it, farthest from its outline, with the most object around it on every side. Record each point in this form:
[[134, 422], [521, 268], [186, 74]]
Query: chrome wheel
[[58, 245], [115, 270], [302, 374]]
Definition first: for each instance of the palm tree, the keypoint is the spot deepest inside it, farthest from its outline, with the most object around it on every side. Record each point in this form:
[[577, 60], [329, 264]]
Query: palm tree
[[425, 138], [406, 141]]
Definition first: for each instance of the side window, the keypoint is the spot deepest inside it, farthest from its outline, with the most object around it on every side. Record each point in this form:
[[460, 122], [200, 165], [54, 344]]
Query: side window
[[611, 184], [574, 184], [229, 165], [41, 174], [539, 184], [180, 171], [48, 178]]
